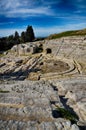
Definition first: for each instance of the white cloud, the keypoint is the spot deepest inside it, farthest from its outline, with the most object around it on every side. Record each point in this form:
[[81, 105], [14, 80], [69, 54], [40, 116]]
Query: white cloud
[[29, 12], [6, 23], [25, 8], [9, 4], [18, 8]]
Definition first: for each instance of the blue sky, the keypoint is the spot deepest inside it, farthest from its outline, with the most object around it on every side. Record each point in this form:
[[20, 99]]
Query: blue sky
[[46, 16]]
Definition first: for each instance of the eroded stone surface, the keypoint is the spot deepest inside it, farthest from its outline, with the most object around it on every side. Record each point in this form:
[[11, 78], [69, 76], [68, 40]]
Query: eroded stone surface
[[74, 90], [32, 105]]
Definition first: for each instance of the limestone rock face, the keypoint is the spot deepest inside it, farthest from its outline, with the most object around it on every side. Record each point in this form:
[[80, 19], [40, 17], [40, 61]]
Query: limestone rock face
[[71, 47], [74, 91], [23, 49], [58, 81], [74, 127], [82, 111], [30, 105]]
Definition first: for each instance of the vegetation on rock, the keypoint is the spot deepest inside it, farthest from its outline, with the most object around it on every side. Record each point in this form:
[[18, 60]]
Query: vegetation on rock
[[67, 114], [4, 91], [68, 33]]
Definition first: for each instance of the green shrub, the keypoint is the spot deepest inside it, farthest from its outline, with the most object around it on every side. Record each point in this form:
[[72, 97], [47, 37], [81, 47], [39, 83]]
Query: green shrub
[[67, 114], [4, 91]]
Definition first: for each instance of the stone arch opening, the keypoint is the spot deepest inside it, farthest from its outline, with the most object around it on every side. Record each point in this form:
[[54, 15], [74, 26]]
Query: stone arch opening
[[48, 50]]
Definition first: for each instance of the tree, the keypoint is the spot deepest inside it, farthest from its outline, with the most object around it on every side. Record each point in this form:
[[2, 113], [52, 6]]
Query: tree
[[3, 43], [16, 38], [29, 34], [23, 37], [7, 42], [10, 41]]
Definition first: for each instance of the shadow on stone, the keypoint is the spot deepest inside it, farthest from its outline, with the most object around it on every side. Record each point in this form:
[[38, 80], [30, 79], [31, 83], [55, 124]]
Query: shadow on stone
[[54, 87], [82, 127], [56, 114], [69, 110]]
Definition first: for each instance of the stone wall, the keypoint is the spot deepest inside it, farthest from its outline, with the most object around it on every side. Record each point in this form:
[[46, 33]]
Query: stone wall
[[67, 46]]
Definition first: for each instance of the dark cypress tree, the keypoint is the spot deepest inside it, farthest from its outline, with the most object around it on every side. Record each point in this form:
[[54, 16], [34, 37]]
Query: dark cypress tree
[[16, 38], [29, 34], [10, 41], [23, 37], [3, 44]]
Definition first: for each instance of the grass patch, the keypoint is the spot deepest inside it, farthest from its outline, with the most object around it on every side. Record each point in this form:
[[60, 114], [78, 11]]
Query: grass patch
[[67, 114], [1, 55], [4, 91], [68, 33]]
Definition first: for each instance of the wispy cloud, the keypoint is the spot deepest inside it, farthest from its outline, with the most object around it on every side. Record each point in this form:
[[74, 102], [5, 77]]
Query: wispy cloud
[[6, 23], [29, 12], [16, 8], [63, 15], [25, 8]]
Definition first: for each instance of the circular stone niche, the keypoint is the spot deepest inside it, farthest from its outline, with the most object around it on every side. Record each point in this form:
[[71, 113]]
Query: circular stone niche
[[54, 66]]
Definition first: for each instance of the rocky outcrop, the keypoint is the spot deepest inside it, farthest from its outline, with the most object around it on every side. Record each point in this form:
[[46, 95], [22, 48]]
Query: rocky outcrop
[[67, 46], [24, 49], [38, 105], [31, 105], [75, 91]]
